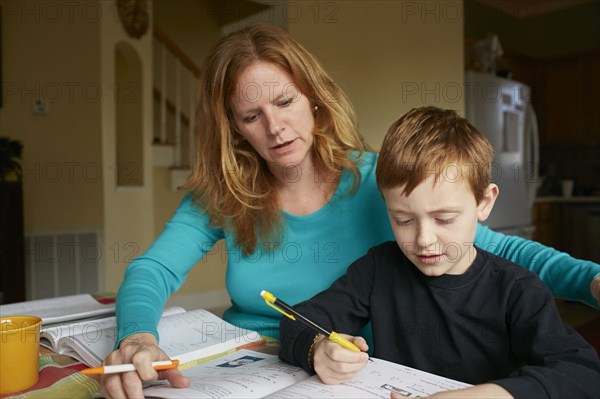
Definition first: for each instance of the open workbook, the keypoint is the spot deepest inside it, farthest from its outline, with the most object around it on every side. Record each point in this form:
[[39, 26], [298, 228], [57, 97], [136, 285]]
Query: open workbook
[[187, 336], [250, 374]]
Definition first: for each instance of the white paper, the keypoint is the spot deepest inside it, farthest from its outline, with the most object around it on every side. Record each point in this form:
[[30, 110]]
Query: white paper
[[184, 335], [249, 374], [242, 374], [377, 380], [60, 309], [198, 333]]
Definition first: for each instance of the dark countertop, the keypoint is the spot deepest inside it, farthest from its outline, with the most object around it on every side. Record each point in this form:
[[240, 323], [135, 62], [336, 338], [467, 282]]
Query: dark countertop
[[574, 199]]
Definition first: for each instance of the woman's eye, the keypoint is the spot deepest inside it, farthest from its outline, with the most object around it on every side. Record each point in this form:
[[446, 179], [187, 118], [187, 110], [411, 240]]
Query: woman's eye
[[404, 222], [250, 118], [285, 103]]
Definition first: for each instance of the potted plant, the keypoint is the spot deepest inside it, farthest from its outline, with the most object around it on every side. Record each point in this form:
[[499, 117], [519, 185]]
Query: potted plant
[[10, 159], [12, 247]]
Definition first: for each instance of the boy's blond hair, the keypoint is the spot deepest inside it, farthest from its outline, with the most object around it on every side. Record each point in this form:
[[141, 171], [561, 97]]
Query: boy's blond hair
[[431, 141]]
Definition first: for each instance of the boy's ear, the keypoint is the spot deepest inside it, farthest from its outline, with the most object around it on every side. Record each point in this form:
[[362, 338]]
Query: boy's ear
[[487, 202]]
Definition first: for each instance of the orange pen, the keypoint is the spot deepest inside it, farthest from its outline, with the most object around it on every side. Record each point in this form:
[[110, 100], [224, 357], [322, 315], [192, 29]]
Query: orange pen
[[123, 368]]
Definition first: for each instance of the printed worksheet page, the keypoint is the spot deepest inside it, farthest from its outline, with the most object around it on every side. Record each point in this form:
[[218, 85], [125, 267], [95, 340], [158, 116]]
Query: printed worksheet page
[[377, 380], [249, 374], [241, 374]]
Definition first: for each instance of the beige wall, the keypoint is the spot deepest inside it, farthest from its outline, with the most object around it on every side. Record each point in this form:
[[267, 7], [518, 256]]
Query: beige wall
[[43, 58], [64, 52], [191, 24], [128, 211], [389, 56]]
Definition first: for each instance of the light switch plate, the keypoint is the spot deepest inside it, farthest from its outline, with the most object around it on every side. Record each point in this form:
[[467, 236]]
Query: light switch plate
[[40, 106]]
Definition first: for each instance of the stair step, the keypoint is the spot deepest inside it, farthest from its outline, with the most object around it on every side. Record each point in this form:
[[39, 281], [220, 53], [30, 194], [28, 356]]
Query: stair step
[[162, 154], [179, 176]]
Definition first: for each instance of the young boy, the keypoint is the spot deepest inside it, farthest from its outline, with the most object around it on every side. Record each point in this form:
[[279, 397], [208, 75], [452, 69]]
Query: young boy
[[435, 301]]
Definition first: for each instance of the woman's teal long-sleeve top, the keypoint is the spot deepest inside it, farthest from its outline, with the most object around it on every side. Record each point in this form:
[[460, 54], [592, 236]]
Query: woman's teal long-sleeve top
[[315, 250]]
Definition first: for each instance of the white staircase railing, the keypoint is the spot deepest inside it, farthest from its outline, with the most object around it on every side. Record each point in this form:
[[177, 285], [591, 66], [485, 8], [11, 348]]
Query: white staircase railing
[[175, 85]]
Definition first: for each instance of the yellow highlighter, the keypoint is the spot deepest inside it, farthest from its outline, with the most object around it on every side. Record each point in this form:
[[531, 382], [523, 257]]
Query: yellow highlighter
[[287, 310]]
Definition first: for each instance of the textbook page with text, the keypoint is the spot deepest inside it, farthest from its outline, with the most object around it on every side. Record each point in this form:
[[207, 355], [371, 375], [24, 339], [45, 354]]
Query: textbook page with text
[[251, 374], [188, 336]]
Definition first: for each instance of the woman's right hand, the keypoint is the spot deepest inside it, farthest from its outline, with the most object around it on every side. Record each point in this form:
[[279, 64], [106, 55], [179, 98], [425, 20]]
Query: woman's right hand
[[141, 350]]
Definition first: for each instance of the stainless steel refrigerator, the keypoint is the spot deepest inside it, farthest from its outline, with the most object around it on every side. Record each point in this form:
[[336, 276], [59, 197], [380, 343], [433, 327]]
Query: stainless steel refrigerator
[[501, 109]]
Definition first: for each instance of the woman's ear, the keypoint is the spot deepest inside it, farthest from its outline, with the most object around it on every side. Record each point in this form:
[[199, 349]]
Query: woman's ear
[[487, 202]]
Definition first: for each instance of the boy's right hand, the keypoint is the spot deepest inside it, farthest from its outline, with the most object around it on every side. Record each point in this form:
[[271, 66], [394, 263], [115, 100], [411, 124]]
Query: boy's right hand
[[141, 350], [335, 364]]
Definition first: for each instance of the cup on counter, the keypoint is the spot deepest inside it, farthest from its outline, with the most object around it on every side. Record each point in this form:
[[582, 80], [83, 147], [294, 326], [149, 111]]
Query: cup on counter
[[567, 188], [19, 346]]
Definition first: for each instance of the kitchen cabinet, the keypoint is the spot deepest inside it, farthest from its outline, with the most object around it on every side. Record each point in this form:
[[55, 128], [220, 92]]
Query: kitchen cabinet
[[546, 219], [564, 95], [570, 225], [522, 68], [580, 230], [560, 101], [593, 108], [566, 100]]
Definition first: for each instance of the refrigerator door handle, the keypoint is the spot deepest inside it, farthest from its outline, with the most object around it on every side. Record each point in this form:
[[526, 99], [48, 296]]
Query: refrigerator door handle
[[533, 140]]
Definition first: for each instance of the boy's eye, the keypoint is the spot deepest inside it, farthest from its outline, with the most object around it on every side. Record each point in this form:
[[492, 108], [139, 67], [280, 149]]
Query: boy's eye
[[445, 221]]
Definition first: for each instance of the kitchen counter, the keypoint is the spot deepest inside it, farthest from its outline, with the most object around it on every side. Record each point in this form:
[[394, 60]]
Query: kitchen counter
[[574, 199], [569, 224]]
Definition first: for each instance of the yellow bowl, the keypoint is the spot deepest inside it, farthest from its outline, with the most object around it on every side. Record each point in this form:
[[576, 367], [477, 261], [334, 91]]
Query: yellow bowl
[[19, 352]]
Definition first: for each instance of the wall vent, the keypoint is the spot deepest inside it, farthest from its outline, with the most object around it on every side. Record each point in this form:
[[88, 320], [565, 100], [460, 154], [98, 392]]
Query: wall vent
[[64, 262]]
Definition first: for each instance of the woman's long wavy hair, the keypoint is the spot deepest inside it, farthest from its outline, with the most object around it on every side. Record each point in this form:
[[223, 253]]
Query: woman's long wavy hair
[[229, 180]]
